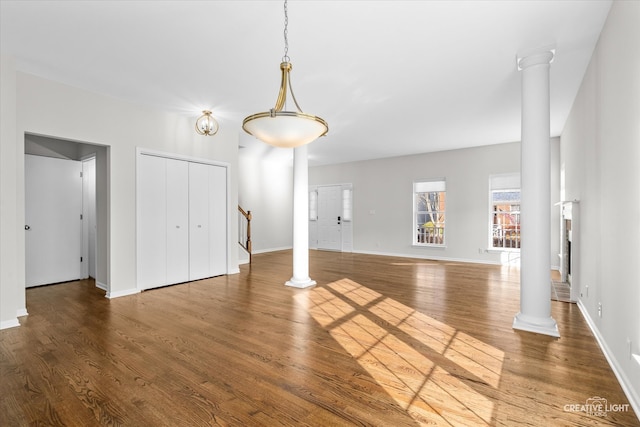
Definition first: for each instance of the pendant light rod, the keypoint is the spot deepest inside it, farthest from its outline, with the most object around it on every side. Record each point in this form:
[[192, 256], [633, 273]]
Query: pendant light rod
[[285, 57], [286, 67]]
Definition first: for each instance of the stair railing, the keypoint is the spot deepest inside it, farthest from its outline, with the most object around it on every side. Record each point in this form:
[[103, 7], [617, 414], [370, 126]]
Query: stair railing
[[244, 230]]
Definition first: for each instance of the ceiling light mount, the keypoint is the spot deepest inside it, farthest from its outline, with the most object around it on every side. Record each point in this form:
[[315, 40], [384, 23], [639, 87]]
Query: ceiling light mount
[[279, 127], [206, 125]]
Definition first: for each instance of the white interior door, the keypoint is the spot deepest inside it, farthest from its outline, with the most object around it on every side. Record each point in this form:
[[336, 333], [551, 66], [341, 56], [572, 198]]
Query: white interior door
[[329, 217], [177, 221], [207, 221], [198, 221], [217, 220], [152, 223], [53, 229]]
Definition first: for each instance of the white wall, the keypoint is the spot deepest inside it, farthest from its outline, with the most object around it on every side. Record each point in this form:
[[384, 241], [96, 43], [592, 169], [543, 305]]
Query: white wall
[[556, 197], [266, 189], [600, 155], [48, 108], [385, 187], [10, 294]]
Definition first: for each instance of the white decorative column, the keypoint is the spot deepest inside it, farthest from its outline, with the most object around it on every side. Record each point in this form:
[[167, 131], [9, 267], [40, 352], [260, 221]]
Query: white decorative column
[[535, 250], [300, 277]]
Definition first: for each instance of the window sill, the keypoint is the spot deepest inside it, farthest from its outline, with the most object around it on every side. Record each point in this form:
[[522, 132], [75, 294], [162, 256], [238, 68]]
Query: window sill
[[427, 245], [499, 250]]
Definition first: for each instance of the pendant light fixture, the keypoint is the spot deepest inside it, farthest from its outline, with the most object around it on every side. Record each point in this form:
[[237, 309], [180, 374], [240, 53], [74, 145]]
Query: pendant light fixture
[[206, 124], [279, 127]]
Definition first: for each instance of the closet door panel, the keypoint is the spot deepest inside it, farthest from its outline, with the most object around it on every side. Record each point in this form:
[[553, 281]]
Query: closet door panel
[[177, 209], [152, 220], [218, 220], [199, 196]]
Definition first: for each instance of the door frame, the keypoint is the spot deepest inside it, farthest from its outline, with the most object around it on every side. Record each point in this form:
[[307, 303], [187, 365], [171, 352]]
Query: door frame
[[89, 221], [80, 150], [346, 224]]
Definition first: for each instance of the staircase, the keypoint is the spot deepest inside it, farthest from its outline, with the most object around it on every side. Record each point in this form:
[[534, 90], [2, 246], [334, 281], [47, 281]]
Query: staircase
[[244, 230]]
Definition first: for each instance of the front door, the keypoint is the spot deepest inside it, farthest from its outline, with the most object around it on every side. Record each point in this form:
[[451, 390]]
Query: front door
[[329, 217], [53, 229]]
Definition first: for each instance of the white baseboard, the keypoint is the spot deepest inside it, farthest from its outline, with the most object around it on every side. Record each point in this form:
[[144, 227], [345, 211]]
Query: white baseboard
[[394, 254], [262, 251], [11, 323], [625, 383], [101, 286], [123, 293], [22, 312], [428, 257]]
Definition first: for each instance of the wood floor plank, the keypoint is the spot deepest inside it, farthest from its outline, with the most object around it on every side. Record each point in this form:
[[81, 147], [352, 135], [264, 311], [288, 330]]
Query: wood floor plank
[[380, 341]]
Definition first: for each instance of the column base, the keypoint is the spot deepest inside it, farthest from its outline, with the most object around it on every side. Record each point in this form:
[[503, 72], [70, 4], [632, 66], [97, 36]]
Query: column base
[[538, 325], [298, 283], [11, 323]]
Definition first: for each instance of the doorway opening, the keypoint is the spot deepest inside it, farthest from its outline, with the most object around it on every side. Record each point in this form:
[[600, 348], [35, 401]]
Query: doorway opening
[[81, 204], [569, 251]]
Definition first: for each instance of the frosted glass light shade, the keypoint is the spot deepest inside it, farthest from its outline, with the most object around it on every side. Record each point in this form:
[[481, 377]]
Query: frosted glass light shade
[[285, 129]]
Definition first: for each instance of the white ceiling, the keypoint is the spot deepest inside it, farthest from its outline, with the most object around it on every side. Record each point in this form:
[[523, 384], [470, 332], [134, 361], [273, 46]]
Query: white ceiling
[[390, 77]]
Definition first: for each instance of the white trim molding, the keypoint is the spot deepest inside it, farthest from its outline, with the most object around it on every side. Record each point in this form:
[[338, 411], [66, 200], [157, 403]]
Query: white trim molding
[[12, 323], [124, 293], [625, 383]]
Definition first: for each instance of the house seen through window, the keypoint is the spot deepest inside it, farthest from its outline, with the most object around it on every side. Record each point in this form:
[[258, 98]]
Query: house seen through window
[[505, 212], [429, 200]]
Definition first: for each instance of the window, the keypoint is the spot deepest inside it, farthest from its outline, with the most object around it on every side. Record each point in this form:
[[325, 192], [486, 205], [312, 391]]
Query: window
[[313, 205], [429, 199], [347, 206], [505, 211]]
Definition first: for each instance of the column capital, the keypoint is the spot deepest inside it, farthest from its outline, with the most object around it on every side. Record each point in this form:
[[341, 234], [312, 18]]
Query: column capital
[[530, 57]]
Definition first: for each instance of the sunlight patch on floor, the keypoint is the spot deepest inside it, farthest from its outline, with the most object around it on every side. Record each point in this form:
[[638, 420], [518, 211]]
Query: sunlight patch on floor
[[429, 368]]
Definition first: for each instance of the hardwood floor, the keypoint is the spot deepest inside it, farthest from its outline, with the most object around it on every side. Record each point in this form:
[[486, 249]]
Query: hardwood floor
[[379, 341]]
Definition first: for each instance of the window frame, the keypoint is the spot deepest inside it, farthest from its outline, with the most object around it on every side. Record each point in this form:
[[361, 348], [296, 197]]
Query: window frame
[[504, 183], [439, 236], [313, 205], [347, 204]]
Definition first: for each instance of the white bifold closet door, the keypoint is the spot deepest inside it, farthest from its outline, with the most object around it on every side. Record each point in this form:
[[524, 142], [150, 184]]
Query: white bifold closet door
[[207, 220], [199, 221], [218, 218], [177, 221], [152, 221], [182, 220]]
